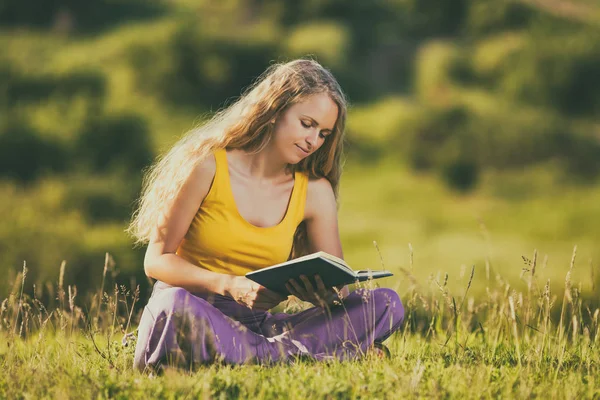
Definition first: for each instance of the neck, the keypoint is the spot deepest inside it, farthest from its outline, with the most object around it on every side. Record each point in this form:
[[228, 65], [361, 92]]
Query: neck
[[264, 165]]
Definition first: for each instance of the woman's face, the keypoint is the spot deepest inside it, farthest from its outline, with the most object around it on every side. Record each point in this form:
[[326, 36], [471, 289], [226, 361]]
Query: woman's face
[[304, 127]]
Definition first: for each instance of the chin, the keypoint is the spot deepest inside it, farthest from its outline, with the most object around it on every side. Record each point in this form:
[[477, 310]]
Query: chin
[[295, 158]]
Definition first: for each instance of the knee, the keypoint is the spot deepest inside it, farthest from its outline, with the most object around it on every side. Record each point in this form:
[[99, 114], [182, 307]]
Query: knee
[[175, 300], [389, 302]]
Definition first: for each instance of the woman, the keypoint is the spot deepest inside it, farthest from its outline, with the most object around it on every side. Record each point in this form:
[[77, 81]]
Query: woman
[[253, 187]]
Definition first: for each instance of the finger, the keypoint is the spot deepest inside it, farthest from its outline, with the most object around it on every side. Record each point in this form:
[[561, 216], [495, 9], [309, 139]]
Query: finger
[[320, 285], [313, 296], [298, 288], [291, 290], [324, 293], [309, 287]]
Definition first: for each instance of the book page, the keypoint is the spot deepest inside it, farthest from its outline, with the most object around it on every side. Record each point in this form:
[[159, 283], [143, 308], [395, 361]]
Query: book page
[[334, 258], [323, 254]]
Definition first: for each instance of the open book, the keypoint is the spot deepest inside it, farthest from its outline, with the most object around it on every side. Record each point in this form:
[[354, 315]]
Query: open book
[[332, 270]]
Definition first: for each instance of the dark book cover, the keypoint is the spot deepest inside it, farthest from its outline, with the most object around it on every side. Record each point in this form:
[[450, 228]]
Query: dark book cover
[[332, 270]]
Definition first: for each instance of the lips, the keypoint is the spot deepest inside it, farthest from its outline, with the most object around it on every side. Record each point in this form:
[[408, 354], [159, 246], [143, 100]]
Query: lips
[[305, 151]]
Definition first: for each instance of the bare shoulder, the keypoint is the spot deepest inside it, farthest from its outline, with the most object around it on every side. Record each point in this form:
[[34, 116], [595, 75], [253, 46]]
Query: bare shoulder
[[198, 184], [175, 219], [205, 170], [319, 198]]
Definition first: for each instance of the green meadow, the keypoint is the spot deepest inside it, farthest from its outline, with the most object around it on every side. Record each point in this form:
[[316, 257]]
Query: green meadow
[[495, 307], [471, 173]]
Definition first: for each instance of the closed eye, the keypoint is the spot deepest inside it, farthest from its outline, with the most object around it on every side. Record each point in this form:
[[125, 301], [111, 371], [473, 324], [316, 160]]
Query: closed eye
[[307, 125]]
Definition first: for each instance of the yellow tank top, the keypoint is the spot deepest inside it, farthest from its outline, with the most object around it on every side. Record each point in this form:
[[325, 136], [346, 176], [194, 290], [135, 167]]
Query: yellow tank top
[[221, 240]]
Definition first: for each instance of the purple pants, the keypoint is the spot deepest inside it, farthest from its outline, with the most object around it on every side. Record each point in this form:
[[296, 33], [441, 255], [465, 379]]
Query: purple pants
[[184, 330]]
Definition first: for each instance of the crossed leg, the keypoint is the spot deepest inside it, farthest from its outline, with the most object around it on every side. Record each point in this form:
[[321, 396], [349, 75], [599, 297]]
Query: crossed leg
[[178, 328]]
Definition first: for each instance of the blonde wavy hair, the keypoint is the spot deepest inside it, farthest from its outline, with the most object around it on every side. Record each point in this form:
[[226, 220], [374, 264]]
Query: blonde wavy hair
[[245, 125]]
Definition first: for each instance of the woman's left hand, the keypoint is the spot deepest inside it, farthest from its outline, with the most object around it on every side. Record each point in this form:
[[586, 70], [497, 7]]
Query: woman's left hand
[[319, 296]]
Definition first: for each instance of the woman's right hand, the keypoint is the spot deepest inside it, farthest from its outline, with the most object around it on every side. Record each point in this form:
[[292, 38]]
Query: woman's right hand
[[252, 295]]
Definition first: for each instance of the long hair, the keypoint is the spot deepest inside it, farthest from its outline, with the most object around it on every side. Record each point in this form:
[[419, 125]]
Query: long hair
[[245, 125]]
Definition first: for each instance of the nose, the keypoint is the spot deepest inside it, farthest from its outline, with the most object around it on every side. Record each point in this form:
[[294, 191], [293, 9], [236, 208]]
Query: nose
[[311, 139]]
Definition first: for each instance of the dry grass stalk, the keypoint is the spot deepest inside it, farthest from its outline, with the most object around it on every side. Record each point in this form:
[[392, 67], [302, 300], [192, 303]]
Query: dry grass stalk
[[515, 332], [567, 296], [20, 303]]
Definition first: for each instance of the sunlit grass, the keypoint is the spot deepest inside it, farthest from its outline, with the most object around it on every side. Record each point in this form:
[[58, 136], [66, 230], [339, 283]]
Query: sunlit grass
[[534, 341]]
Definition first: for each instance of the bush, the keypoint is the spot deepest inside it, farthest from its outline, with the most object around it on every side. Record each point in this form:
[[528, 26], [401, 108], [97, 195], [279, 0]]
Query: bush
[[24, 155], [438, 66], [556, 72], [384, 119], [459, 143], [329, 41], [21, 89], [85, 16], [36, 230], [103, 198], [114, 142], [197, 68], [41, 228], [461, 174], [489, 17], [439, 136]]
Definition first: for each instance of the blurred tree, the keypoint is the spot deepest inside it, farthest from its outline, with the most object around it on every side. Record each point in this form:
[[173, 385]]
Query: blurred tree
[[200, 69], [432, 18], [586, 11], [329, 41], [439, 67], [437, 138], [461, 174], [114, 142], [36, 230], [103, 198], [17, 89], [559, 72], [581, 154], [362, 150], [490, 17], [77, 16], [24, 155]]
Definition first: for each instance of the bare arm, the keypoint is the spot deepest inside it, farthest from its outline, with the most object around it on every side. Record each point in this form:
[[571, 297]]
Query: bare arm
[[160, 261], [321, 220]]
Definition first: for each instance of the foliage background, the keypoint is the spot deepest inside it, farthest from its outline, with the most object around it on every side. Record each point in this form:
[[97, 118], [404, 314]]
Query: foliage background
[[474, 132]]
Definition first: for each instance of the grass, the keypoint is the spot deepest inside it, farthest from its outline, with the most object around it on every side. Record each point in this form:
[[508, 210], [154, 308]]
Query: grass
[[508, 342]]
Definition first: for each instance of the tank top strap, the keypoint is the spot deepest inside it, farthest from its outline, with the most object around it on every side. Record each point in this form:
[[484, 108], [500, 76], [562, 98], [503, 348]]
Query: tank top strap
[[218, 191], [298, 200]]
